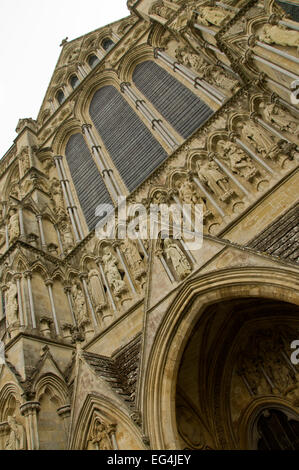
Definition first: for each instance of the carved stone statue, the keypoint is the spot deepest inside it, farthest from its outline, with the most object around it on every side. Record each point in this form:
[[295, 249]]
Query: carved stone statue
[[17, 436], [256, 137], [215, 75], [158, 8], [193, 61], [280, 119], [212, 16], [277, 34], [24, 160], [179, 261], [67, 236], [188, 195], [101, 436], [13, 225], [213, 177], [11, 304], [112, 272], [96, 289], [80, 306], [134, 258], [58, 198], [238, 161]]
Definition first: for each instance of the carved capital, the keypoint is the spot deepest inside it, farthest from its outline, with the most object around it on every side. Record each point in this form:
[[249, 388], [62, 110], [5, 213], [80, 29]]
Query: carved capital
[[64, 411], [30, 407]]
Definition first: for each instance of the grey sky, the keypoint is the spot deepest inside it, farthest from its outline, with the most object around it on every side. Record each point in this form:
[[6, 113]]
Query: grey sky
[[30, 34]]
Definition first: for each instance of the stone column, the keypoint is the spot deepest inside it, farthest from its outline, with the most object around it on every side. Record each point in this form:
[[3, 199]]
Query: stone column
[[277, 51], [254, 156], [59, 240], [208, 196], [83, 277], [65, 412], [49, 284], [99, 263], [159, 253], [205, 87], [17, 278], [7, 236], [270, 64], [231, 176], [41, 231], [29, 410], [28, 276], [70, 197], [121, 258], [21, 219], [155, 122], [67, 291], [107, 172], [66, 196]]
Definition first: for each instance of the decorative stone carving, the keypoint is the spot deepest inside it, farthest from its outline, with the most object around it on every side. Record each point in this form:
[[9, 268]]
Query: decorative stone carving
[[13, 225], [58, 198], [256, 137], [17, 436], [24, 160], [188, 195], [80, 308], [112, 272], [11, 304], [179, 261], [159, 9], [134, 259], [96, 290], [279, 118], [217, 76], [215, 180], [212, 16], [239, 162], [67, 236], [192, 60], [183, 19], [100, 438], [277, 34]]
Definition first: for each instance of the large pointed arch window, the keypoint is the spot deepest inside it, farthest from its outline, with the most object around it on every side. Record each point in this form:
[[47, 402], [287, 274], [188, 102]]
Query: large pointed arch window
[[132, 147], [175, 102], [89, 185]]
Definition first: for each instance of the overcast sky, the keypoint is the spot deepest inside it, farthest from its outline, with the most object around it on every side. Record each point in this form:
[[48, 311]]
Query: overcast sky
[[30, 34]]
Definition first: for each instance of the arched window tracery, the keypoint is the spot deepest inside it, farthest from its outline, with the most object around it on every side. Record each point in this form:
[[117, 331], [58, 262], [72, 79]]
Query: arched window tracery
[[90, 187], [174, 101]]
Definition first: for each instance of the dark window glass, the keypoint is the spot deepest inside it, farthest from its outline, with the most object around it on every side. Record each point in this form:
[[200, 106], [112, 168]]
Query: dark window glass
[[107, 44], [132, 147], [90, 187], [177, 104], [60, 97], [74, 81], [93, 60]]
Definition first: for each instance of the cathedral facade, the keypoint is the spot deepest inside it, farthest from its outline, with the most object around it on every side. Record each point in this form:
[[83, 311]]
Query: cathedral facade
[[140, 343]]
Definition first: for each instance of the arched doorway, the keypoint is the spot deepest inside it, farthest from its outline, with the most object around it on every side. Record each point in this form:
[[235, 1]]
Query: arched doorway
[[237, 359]]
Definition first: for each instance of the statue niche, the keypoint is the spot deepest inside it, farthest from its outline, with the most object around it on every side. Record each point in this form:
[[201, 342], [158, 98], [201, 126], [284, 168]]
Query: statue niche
[[214, 16], [216, 181], [113, 273], [11, 304], [279, 35], [175, 255], [80, 308], [13, 225], [17, 436], [101, 436]]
